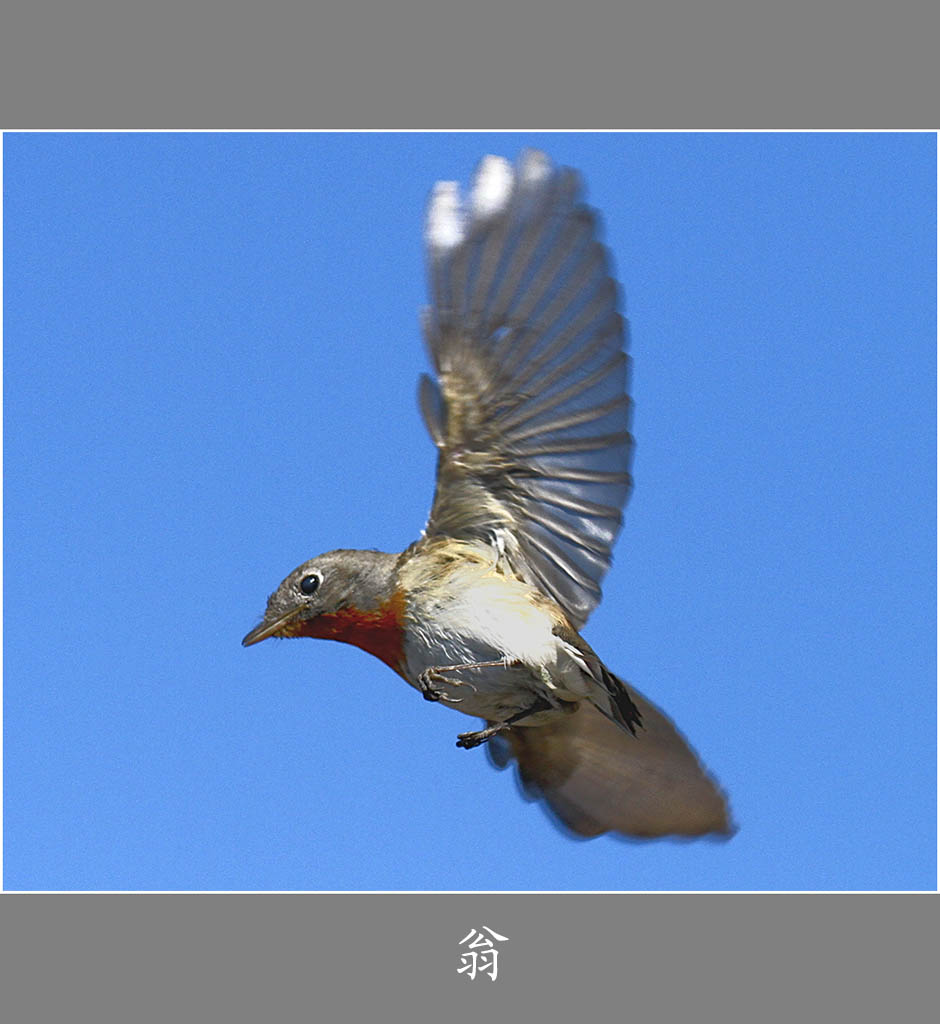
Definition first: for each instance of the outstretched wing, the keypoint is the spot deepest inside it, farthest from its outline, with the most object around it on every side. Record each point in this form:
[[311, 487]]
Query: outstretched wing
[[530, 412]]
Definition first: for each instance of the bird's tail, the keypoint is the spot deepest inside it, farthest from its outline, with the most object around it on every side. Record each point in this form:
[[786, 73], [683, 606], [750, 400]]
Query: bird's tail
[[598, 778]]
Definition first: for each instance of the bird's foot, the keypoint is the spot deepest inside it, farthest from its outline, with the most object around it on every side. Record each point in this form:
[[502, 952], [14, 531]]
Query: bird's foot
[[429, 691], [469, 740], [435, 674]]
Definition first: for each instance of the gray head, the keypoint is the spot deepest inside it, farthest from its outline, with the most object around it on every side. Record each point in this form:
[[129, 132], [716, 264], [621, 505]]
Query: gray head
[[316, 595]]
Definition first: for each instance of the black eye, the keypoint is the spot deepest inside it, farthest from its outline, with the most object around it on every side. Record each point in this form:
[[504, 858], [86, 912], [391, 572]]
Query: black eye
[[309, 584]]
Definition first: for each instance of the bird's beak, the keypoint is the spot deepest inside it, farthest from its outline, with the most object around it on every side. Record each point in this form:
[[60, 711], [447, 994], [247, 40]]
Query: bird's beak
[[266, 628]]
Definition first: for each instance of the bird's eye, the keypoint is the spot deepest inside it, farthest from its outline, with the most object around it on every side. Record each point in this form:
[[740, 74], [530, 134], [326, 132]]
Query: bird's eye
[[309, 584]]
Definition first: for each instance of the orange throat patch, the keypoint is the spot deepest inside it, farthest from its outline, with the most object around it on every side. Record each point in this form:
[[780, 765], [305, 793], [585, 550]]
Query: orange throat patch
[[380, 631]]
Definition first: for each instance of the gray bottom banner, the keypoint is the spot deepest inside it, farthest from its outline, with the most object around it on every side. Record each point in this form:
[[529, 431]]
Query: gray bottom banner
[[468, 957]]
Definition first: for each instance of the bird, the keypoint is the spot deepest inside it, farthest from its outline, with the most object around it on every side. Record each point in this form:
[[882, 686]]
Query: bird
[[530, 414]]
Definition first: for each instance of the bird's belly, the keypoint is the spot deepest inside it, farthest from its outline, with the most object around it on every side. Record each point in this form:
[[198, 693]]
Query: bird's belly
[[469, 614], [494, 692]]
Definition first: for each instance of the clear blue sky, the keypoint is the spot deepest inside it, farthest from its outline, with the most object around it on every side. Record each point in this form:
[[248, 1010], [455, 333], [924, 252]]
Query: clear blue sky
[[211, 351]]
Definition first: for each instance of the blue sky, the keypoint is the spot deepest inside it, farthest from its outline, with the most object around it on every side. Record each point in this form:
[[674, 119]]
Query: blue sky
[[210, 357]]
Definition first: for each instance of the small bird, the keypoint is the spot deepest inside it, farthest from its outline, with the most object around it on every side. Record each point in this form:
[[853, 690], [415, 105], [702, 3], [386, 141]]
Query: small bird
[[531, 418]]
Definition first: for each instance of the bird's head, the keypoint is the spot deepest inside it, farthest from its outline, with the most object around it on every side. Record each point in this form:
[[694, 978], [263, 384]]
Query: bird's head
[[335, 596]]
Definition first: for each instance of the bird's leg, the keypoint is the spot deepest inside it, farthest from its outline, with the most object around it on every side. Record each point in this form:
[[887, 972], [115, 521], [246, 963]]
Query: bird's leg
[[435, 674], [469, 740]]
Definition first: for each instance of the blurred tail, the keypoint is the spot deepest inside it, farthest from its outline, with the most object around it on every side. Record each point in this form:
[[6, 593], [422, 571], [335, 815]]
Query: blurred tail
[[598, 778]]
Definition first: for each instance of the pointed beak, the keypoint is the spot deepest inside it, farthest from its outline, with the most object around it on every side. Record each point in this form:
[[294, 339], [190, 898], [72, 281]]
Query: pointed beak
[[266, 628]]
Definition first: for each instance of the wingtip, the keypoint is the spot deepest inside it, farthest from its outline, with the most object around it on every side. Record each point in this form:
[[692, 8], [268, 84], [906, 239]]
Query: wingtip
[[492, 187], [494, 182], [444, 227], [535, 167]]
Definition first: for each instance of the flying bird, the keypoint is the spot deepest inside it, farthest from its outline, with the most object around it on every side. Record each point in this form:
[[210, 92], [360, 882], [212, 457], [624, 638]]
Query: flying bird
[[531, 418]]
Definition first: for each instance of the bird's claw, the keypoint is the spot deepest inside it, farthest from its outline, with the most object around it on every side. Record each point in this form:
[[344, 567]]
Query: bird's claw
[[429, 691], [469, 740], [439, 695], [426, 686]]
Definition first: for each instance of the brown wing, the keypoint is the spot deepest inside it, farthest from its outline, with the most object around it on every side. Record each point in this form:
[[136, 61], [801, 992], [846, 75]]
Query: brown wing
[[598, 778], [530, 413]]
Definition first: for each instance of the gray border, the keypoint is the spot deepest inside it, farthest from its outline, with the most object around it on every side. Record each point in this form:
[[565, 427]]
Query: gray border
[[681, 64], [375, 956], [388, 957]]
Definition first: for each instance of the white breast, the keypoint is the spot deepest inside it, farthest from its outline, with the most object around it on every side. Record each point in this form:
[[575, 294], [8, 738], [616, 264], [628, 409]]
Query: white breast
[[477, 615], [487, 614]]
